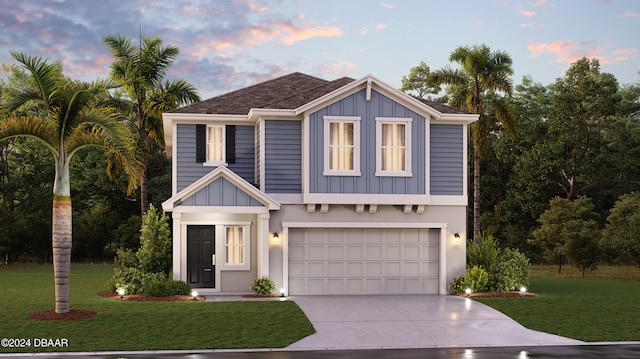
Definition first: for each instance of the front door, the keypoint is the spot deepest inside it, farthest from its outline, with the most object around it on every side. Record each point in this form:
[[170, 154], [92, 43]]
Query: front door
[[201, 251]]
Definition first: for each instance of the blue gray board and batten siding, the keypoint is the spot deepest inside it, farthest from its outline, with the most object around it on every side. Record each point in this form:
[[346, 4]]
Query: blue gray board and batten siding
[[367, 182], [283, 156], [189, 170], [221, 193]]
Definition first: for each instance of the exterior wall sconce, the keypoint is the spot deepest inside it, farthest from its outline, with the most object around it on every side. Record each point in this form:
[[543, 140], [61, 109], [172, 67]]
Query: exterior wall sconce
[[276, 237], [457, 235]]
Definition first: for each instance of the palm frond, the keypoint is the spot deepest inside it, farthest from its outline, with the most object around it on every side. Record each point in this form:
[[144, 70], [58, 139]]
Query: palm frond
[[32, 127], [45, 75]]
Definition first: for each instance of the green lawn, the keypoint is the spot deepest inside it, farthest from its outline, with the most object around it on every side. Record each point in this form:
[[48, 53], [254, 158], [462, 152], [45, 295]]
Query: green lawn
[[122, 325], [605, 306]]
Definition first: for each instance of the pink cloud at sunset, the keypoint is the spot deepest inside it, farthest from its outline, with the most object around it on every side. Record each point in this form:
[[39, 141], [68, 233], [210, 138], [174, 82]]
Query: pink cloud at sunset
[[299, 33], [569, 52]]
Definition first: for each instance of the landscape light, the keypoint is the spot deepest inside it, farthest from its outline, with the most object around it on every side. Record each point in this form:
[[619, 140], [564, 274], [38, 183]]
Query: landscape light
[[194, 294], [468, 291], [282, 292], [121, 292], [523, 290]]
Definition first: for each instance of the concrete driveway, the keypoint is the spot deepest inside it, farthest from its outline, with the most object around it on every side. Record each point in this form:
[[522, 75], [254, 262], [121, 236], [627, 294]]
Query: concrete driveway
[[411, 321]]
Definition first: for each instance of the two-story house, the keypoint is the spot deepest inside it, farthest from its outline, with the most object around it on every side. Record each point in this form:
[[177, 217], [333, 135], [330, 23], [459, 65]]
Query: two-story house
[[326, 187]]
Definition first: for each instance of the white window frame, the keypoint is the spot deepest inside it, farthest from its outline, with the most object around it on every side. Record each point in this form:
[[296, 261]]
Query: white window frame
[[246, 240], [407, 137], [209, 161], [355, 120]]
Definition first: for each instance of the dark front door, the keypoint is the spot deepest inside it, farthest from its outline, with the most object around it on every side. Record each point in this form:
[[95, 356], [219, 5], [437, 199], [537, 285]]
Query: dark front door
[[201, 250]]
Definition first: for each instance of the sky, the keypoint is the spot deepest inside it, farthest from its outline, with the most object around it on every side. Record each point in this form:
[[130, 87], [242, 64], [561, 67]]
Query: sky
[[226, 45]]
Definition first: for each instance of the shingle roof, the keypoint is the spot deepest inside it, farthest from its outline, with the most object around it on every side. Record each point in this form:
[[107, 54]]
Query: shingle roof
[[285, 93]]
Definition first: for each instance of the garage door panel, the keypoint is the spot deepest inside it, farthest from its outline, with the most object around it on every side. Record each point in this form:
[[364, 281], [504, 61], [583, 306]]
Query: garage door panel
[[363, 261]]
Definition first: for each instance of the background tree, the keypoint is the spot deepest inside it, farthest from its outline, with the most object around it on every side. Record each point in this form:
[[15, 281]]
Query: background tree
[[420, 81], [142, 70], [74, 120], [155, 243], [474, 87], [620, 237], [568, 229]]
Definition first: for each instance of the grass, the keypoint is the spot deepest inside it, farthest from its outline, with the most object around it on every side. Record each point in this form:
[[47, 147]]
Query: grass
[[123, 326], [604, 306]]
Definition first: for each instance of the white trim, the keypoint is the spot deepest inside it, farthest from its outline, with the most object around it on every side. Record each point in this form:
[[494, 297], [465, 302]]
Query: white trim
[[174, 154], [174, 202], [305, 154], [407, 122], [442, 261], [220, 209], [354, 198], [355, 120], [395, 225], [449, 200], [246, 247], [262, 129]]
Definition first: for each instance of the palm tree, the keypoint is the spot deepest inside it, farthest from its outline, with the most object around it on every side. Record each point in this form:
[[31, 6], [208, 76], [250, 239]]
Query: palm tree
[[73, 119], [141, 70], [474, 87]]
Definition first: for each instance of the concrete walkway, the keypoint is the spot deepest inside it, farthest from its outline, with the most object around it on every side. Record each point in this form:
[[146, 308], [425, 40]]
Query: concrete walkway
[[412, 321]]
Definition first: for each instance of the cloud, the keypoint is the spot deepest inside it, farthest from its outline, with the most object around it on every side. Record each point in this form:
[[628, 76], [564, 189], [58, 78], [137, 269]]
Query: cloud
[[570, 52], [388, 6], [381, 26], [632, 14], [308, 30], [527, 13], [338, 69]]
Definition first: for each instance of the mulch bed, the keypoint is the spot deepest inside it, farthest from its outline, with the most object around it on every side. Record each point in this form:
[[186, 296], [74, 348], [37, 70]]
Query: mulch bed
[[510, 294], [146, 298], [73, 314]]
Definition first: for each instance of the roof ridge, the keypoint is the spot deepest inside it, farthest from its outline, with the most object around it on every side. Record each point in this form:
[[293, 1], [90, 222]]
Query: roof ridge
[[327, 83]]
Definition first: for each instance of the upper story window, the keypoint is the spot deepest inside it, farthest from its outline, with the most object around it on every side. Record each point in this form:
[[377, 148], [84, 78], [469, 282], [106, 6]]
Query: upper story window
[[393, 146], [341, 146], [215, 144]]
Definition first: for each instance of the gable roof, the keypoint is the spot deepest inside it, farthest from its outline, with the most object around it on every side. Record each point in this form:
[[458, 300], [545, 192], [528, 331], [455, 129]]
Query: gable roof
[[225, 173], [286, 92], [289, 92]]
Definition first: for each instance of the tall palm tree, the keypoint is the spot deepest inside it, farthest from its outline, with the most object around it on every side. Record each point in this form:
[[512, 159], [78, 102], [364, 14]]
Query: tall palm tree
[[141, 69], [474, 87], [73, 119]]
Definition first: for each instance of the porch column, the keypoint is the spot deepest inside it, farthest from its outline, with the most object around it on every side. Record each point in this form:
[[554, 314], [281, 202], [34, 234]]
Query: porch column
[[177, 253], [263, 245]]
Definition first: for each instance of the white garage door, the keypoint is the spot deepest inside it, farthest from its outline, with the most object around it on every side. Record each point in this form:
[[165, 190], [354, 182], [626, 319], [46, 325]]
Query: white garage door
[[363, 261]]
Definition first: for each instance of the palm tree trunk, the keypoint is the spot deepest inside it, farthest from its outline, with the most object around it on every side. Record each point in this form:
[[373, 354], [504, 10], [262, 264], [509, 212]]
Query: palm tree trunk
[[61, 236], [476, 196]]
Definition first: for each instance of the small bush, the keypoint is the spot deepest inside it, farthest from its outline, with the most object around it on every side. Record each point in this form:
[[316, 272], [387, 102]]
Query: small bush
[[133, 280], [476, 278], [126, 258], [458, 285], [510, 272], [484, 253], [181, 287], [162, 287], [263, 286]]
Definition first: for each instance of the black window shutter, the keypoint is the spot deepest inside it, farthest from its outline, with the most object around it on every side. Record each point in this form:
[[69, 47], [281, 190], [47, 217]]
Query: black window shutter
[[230, 137], [201, 143]]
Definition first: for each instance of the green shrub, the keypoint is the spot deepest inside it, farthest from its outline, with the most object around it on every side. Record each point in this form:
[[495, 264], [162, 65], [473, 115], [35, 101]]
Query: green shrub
[[156, 286], [458, 285], [510, 272], [126, 258], [484, 253], [476, 278], [133, 280], [181, 287], [263, 286], [155, 243]]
